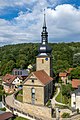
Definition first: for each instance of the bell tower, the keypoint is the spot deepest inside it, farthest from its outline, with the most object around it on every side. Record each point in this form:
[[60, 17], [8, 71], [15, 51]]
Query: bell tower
[[44, 58]]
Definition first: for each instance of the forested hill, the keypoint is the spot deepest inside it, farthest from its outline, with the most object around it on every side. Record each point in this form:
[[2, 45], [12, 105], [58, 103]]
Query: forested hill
[[21, 55]]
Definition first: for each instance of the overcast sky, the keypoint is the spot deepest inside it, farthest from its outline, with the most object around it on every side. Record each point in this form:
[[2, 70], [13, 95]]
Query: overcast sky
[[21, 20]]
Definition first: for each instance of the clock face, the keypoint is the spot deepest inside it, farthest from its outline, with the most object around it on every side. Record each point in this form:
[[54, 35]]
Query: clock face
[[46, 59]]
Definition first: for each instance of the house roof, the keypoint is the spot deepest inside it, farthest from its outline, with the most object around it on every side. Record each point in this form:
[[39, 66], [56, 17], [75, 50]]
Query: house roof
[[75, 83], [77, 91], [69, 70], [43, 76], [64, 74], [21, 72], [8, 78], [6, 116]]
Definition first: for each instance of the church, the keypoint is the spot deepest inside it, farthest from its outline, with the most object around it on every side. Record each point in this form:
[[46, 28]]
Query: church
[[38, 86]]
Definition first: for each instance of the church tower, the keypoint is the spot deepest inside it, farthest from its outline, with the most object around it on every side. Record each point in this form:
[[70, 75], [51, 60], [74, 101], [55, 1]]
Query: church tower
[[44, 58]]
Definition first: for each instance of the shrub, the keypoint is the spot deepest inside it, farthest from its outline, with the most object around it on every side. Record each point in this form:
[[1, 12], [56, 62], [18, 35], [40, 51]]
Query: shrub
[[3, 109], [65, 115], [49, 103]]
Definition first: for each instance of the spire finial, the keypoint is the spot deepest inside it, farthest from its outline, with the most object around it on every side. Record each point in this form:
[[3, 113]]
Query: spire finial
[[44, 25]]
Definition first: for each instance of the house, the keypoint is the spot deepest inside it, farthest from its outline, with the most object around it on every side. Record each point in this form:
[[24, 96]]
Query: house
[[69, 70], [21, 72], [37, 88], [63, 76], [6, 116], [75, 83], [75, 99], [11, 82]]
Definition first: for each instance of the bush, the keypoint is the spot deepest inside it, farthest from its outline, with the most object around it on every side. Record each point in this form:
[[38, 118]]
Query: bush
[[3, 109], [65, 115], [49, 103]]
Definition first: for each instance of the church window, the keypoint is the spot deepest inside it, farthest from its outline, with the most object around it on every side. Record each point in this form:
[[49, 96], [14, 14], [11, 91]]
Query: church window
[[32, 81], [42, 60]]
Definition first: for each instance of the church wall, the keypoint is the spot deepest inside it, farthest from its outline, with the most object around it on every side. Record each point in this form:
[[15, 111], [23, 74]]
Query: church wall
[[39, 95], [33, 81]]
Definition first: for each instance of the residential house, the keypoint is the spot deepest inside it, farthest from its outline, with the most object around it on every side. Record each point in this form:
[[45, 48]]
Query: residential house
[[37, 88], [75, 99], [21, 72], [64, 77], [11, 82], [69, 70]]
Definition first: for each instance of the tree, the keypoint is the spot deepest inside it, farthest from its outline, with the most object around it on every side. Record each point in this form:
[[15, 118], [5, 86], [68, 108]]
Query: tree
[[76, 60], [66, 89], [75, 73], [9, 66]]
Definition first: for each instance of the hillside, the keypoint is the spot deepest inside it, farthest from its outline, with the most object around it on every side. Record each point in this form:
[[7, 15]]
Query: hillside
[[21, 55]]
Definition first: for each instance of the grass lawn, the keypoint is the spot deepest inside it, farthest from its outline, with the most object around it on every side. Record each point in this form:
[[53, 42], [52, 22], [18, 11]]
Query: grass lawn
[[63, 99], [20, 118], [21, 91], [19, 98]]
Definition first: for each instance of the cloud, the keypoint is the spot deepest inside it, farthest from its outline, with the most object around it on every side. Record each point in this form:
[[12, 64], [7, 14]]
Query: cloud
[[63, 25]]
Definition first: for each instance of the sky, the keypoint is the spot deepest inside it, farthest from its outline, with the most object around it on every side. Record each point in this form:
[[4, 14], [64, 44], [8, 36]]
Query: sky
[[21, 21]]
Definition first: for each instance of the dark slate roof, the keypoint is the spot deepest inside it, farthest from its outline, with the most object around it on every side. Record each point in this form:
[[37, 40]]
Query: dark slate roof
[[77, 91], [44, 49], [24, 72]]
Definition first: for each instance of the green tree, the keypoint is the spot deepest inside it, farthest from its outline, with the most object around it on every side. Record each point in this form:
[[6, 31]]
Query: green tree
[[76, 60], [75, 73], [9, 66]]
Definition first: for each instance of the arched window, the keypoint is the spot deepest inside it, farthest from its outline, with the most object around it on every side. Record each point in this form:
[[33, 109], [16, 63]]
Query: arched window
[[33, 90]]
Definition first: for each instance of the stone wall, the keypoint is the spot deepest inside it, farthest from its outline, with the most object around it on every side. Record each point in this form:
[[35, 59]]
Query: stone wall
[[39, 95], [39, 111]]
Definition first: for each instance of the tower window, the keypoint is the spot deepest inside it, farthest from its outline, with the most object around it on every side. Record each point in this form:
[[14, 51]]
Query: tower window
[[42, 60]]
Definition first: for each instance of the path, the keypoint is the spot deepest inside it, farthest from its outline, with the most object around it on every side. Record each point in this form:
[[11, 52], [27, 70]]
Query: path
[[53, 100], [10, 102]]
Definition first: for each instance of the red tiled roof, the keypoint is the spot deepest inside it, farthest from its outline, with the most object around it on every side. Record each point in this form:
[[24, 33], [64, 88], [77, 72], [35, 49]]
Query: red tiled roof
[[63, 74], [75, 83], [43, 76], [70, 69], [6, 116], [8, 78]]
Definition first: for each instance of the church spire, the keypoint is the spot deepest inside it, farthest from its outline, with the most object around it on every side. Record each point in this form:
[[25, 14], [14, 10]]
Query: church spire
[[44, 48], [44, 33], [44, 25]]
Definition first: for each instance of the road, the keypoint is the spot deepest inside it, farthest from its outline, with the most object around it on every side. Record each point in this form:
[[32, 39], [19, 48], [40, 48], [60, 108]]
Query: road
[[53, 100]]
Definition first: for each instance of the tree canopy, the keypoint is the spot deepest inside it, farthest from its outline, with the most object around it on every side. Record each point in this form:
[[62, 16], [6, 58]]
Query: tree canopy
[[21, 55]]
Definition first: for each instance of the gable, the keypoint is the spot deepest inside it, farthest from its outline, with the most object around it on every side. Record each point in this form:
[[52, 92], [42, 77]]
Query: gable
[[32, 80]]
